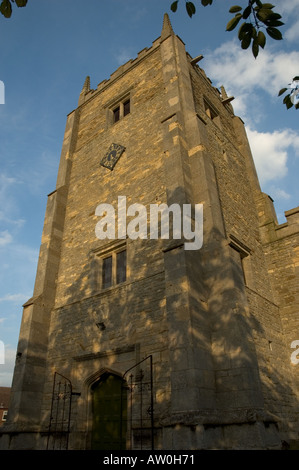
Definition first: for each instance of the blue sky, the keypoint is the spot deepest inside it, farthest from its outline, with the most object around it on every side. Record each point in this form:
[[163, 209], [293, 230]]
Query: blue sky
[[47, 50]]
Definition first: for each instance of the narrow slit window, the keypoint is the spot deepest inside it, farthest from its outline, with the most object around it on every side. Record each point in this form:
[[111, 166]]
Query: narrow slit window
[[116, 114], [210, 111], [121, 266], [126, 107], [241, 257], [107, 272]]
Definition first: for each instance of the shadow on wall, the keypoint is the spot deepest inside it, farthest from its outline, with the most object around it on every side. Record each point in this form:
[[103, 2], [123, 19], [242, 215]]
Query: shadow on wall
[[189, 311]]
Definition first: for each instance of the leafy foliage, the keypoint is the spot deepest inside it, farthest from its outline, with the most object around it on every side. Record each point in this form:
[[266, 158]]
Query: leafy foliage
[[256, 14], [292, 98], [6, 6]]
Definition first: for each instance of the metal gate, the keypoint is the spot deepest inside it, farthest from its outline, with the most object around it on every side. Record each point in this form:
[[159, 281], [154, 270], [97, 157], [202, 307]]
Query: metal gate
[[59, 426], [140, 405]]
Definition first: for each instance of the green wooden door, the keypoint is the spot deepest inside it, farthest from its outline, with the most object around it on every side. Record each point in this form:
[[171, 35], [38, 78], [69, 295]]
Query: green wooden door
[[107, 410]]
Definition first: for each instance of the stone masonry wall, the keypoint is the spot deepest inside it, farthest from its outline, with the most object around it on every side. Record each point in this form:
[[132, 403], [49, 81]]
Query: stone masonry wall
[[282, 254], [138, 305], [241, 220]]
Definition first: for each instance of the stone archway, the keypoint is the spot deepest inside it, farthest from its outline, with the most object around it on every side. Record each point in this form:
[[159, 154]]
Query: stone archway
[[109, 412]]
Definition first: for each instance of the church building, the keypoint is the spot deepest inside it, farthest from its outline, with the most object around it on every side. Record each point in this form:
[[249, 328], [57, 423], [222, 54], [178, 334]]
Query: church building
[[165, 311]]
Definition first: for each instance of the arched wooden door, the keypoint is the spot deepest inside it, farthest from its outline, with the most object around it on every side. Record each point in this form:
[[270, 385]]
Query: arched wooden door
[[109, 409]]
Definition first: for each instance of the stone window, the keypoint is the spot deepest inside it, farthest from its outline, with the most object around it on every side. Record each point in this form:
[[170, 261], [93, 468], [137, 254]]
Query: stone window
[[108, 265], [121, 266], [127, 107], [116, 114], [119, 107], [211, 112], [107, 272], [121, 110], [239, 258], [241, 254], [114, 269]]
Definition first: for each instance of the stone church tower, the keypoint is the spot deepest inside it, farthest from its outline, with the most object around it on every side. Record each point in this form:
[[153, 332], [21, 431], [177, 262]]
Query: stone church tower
[[141, 342]]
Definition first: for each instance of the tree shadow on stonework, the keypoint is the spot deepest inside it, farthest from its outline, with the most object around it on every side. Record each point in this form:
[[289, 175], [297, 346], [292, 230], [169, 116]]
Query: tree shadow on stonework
[[189, 310]]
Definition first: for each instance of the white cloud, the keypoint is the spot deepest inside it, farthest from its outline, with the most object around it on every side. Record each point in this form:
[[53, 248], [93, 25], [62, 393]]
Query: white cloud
[[7, 200], [244, 77], [27, 254], [286, 6], [14, 298], [123, 55], [279, 193], [270, 152], [289, 11], [233, 67], [293, 32], [5, 238], [5, 184]]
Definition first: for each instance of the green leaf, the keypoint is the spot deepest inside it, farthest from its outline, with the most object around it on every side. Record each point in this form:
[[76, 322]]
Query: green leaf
[[263, 15], [274, 33], [287, 101], [255, 48], [246, 12], [261, 39], [241, 31], [274, 16], [245, 43], [206, 2], [5, 8], [233, 22], [282, 91], [296, 78], [245, 28], [271, 21], [174, 6], [190, 7], [235, 9], [268, 5], [274, 23]]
